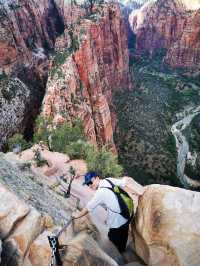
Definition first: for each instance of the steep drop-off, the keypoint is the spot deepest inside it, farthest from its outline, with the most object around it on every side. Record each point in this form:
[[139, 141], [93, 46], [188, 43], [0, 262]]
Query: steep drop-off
[[147, 148], [90, 63]]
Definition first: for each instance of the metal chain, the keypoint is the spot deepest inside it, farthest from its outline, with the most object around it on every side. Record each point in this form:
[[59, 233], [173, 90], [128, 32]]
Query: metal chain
[[53, 238]]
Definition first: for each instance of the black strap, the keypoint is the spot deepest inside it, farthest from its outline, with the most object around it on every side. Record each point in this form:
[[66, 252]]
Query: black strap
[[124, 211], [120, 189]]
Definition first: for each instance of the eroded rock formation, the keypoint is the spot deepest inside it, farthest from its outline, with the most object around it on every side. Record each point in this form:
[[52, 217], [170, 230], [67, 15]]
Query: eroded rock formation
[[27, 30], [94, 63], [90, 62], [24, 232], [32, 207], [169, 27], [167, 230]]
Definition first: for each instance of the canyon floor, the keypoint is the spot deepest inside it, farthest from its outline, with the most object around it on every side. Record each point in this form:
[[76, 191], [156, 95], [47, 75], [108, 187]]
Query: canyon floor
[[145, 117]]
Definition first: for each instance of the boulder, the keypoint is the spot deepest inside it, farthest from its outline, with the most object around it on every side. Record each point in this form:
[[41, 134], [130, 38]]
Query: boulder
[[167, 228], [40, 252], [80, 244], [20, 239], [84, 250], [11, 211]]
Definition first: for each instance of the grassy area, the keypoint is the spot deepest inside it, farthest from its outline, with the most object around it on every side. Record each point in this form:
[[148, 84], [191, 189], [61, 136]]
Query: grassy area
[[194, 140]]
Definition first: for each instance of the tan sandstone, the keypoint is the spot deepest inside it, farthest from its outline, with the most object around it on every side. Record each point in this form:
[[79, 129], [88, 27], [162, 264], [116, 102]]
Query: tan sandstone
[[167, 229]]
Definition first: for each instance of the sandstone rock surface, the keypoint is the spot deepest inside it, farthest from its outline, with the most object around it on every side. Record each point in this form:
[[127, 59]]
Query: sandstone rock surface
[[27, 27], [171, 27], [167, 231], [26, 243]]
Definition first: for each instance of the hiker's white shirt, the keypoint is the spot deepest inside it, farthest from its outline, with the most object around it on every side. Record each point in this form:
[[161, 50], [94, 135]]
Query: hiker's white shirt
[[108, 200]]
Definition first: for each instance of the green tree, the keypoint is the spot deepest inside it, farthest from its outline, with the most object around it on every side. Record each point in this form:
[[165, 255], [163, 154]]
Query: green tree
[[65, 134], [104, 162]]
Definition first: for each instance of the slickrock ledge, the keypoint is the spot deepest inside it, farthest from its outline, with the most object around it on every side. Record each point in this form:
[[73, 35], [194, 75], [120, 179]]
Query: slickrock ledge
[[26, 209]]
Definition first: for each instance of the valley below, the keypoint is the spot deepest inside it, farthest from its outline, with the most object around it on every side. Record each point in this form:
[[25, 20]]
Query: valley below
[[147, 148]]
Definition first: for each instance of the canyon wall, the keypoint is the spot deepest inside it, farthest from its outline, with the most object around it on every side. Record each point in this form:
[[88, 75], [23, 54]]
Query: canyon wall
[[27, 30], [89, 62], [171, 28]]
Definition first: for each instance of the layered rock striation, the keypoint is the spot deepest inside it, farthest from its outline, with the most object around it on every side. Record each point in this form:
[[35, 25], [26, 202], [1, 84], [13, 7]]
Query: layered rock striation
[[93, 64], [28, 29], [89, 63], [171, 28]]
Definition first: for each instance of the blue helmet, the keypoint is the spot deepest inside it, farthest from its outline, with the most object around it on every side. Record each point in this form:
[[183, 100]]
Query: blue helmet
[[88, 177]]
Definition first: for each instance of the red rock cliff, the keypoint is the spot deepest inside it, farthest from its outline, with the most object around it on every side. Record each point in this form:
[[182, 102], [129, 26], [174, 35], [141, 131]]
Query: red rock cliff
[[91, 62], [172, 25], [28, 29], [94, 65]]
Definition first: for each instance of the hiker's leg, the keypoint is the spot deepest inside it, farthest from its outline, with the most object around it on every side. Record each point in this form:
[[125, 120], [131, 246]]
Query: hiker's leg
[[119, 236]]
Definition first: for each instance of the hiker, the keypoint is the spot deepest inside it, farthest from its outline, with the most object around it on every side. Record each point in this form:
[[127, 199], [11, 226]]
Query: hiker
[[119, 214]]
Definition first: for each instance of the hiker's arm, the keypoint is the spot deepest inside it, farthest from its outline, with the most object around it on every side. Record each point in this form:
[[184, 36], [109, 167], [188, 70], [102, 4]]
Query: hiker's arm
[[81, 213], [91, 205]]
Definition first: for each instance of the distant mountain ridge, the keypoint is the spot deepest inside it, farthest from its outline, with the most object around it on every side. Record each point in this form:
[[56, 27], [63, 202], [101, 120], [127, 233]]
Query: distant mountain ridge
[[172, 26]]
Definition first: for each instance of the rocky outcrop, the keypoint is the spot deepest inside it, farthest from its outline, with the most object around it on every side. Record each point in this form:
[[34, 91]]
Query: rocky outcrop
[[90, 62], [186, 51], [14, 99], [90, 69], [24, 232], [28, 29], [29, 200], [170, 28], [167, 230]]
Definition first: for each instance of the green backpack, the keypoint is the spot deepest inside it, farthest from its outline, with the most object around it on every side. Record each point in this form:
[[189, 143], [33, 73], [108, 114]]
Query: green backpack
[[124, 200]]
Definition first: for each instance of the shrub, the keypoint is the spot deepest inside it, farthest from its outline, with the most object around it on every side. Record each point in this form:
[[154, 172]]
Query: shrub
[[79, 149], [104, 162], [65, 134], [18, 139], [72, 141], [40, 161]]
